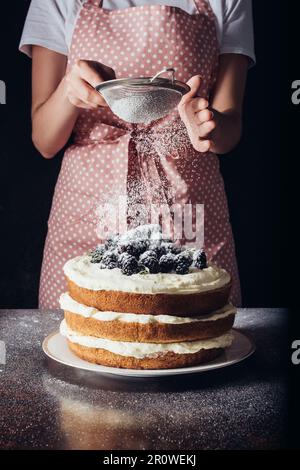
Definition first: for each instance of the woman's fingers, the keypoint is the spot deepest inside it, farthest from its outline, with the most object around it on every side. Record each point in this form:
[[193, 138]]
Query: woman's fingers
[[197, 117], [206, 128], [94, 72], [82, 80], [201, 145], [199, 104], [194, 83], [204, 146], [85, 92], [205, 115]]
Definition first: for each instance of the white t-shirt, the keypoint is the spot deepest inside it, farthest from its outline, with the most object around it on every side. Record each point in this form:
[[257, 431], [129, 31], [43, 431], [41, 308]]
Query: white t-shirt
[[50, 23]]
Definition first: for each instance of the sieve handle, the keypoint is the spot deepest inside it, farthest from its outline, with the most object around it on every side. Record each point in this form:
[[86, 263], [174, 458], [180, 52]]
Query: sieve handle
[[166, 69]]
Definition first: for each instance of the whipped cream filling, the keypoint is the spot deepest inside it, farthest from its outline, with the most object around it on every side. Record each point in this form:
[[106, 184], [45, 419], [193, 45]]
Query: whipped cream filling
[[89, 276], [142, 350], [71, 305]]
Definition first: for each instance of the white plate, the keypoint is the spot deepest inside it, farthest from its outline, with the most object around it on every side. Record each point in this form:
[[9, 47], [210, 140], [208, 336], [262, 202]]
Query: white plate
[[55, 346]]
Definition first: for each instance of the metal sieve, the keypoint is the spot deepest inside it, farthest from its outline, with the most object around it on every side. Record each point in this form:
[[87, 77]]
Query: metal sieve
[[145, 99]]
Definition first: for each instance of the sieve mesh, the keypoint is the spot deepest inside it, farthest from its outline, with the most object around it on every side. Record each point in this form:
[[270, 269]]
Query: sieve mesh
[[142, 100]]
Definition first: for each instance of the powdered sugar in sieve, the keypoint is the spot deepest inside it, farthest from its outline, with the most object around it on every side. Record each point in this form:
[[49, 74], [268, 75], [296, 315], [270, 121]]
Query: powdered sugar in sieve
[[143, 100], [143, 108]]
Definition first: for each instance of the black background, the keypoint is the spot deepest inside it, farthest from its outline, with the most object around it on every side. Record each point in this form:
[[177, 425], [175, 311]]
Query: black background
[[251, 171]]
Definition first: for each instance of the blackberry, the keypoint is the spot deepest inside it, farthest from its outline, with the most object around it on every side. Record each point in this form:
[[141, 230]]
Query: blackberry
[[158, 250], [112, 242], [200, 260], [182, 262], [147, 254], [166, 263], [188, 255], [162, 251], [150, 261], [176, 249], [121, 257], [169, 247], [141, 246], [96, 255], [129, 265], [127, 247], [164, 247], [109, 260], [134, 248]]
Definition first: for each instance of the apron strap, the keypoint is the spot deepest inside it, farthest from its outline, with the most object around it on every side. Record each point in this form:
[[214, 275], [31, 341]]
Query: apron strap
[[95, 3], [204, 6]]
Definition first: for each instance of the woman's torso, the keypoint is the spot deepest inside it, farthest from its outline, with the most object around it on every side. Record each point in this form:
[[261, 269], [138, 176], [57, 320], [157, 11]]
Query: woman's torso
[[106, 161], [139, 42]]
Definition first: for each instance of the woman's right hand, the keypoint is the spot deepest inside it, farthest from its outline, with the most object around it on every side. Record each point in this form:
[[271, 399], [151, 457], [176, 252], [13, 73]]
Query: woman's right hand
[[58, 94], [81, 81]]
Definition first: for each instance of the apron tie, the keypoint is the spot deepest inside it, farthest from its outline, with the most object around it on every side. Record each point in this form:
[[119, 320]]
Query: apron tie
[[101, 133]]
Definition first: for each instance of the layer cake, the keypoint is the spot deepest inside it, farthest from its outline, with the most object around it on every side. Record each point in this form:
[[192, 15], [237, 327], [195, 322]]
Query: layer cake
[[122, 311]]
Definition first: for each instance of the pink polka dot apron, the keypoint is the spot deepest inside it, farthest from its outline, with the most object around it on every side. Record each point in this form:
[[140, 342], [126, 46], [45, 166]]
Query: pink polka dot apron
[[105, 161]]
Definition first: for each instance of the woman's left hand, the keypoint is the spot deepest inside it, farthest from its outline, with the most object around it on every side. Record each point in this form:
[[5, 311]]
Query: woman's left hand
[[198, 118]]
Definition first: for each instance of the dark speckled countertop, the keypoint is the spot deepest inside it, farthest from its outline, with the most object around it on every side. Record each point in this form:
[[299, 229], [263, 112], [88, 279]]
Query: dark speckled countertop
[[47, 406]]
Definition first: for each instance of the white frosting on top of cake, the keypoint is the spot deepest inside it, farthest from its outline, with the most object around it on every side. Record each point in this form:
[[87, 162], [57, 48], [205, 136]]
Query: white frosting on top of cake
[[71, 305], [89, 276], [141, 350]]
